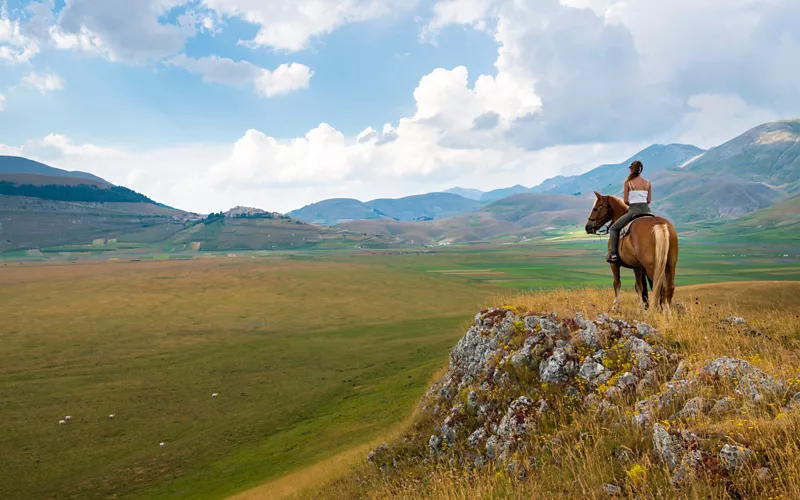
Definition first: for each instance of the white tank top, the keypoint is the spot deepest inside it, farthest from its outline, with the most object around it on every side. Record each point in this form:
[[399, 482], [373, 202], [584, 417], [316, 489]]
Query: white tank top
[[636, 196]]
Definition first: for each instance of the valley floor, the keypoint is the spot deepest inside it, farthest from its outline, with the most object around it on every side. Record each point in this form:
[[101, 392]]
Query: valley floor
[[311, 355]]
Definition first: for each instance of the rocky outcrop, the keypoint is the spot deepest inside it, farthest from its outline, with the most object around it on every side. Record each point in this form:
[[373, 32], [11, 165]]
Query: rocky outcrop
[[513, 373]]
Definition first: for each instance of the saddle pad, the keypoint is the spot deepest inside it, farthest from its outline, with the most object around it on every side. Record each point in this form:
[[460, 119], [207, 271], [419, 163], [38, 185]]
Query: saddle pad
[[627, 228]]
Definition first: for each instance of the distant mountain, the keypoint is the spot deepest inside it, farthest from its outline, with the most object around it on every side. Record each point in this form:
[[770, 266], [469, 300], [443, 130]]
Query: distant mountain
[[411, 208], [510, 219], [609, 178], [429, 206], [472, 194], [20, 165], [498, 194], [335, 211], [768, 154], [687, 196]]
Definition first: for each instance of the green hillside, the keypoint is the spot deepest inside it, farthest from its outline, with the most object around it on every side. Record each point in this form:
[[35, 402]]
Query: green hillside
[[769, 154]]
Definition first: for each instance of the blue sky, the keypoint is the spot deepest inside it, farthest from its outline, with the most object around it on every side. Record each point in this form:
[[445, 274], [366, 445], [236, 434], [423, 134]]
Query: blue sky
[[206, 104]]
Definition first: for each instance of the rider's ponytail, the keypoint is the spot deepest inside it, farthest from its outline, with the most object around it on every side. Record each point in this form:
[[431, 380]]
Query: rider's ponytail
[[636, 170]]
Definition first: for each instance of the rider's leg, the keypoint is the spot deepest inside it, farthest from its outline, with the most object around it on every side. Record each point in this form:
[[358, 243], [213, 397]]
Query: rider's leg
[[613, 233]]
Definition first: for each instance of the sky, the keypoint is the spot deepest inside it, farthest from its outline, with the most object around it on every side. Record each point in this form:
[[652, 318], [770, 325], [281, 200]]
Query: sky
[[208, 104]]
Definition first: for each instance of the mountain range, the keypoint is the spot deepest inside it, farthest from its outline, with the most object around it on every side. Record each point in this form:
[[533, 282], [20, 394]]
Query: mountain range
[[754, 173]]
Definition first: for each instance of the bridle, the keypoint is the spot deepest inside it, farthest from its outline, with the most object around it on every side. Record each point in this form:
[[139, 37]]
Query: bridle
[[602, 230]]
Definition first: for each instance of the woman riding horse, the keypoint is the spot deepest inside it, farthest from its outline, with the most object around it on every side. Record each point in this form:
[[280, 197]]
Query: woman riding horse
[[638, 195]]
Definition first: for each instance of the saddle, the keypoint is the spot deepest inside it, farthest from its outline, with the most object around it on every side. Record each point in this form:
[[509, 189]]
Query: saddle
[[627, 228]]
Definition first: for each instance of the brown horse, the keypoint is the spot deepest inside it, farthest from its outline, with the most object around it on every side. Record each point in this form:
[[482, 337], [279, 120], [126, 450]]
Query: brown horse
[[650, 248]]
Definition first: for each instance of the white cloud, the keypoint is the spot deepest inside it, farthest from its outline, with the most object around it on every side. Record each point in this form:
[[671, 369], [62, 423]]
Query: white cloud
[[121, 30], [716, 118], [284, 79], [43, 82], [2, 102], [465, 12], [15, 47], [291, 24]]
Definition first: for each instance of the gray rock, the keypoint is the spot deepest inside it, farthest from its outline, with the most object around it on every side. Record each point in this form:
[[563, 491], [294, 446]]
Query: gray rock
[[611, 490], [477, 438], [681, 372], [734, 321], [518, 419], [552, 370], [693, 408], [723, 406], [480, 462], [733, 458], [435, 445], [641, 351], [647, 409], [374, 454], [588, 335], [449, 435], [472, 400], [794, 403], [626, 381], [646, 331], [751, 382], [688, 468], [591, 369], [493, 447], [665, 447]]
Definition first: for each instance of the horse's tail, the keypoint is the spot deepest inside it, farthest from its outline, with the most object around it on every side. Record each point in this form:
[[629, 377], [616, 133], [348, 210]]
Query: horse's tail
[[661, 233]]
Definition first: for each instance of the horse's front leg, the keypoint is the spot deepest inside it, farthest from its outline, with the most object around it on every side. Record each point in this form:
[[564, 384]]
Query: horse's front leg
[[617, 284]]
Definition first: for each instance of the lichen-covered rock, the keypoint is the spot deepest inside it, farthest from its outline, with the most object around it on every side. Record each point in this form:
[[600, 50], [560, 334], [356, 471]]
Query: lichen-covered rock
[[647, 409], [723, 406], [641, 351], [477, 438], [611, 490], [733, 321], [751, 382], [733, 458], [665, 448], [692, 409], [552, 370], [591, 370]]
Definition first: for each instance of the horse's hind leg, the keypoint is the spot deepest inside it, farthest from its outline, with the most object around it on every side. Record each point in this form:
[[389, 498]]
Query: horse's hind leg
[[641, 286], [617, 284]]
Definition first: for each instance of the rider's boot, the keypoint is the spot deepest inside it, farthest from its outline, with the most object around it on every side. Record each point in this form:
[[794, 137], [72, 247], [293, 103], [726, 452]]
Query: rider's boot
[[612, 258]]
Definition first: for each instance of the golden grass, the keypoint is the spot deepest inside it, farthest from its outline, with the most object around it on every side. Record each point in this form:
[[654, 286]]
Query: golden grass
[[585, 455]]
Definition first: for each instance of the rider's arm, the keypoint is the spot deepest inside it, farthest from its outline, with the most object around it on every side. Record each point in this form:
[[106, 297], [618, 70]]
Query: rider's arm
[[649, 192], [626, 193]]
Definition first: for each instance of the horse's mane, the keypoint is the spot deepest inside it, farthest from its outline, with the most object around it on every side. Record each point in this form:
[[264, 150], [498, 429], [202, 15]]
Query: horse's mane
[[620, 201]]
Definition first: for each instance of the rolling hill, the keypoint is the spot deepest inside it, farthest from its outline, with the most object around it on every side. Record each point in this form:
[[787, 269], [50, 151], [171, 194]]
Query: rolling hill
[[424, 207], [507, 220], [335, 211], [20, 165], [429, 206]]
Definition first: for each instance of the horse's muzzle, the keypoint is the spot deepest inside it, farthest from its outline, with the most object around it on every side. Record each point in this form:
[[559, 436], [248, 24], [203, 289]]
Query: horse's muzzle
[[590, 228]]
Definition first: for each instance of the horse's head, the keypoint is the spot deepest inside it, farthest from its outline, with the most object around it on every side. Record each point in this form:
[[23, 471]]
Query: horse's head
[[601, 213]]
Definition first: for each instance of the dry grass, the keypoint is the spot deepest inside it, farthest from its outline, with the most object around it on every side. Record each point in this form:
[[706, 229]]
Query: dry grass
[[590, 451]]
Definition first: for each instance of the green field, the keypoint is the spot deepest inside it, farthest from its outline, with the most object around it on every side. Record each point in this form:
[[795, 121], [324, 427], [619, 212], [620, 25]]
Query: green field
[[311, 354]]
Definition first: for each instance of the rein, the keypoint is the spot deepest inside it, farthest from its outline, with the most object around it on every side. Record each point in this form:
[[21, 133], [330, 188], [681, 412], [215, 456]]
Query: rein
[[605, 228]]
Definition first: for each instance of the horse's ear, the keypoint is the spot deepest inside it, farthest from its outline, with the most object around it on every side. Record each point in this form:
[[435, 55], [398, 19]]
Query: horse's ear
[[598, 195]]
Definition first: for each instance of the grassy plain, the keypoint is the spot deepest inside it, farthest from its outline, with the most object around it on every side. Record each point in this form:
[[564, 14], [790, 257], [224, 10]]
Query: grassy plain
[[312, 354]]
